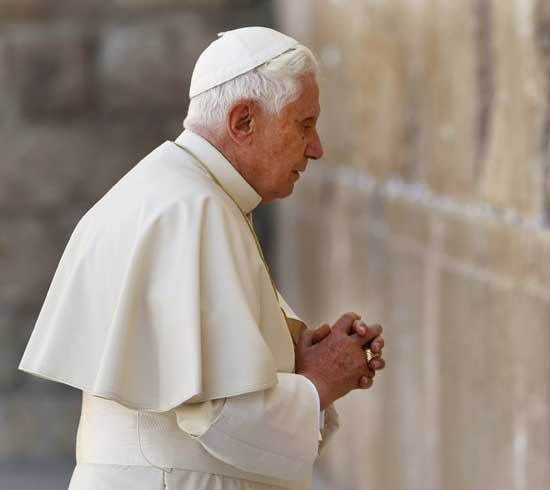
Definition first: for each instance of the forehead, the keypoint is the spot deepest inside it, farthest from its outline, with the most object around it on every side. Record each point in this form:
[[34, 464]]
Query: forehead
[[307, 103]]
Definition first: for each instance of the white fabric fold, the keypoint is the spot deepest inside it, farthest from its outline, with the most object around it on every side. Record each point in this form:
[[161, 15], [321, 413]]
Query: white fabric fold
[[272, 432], [161, 296]]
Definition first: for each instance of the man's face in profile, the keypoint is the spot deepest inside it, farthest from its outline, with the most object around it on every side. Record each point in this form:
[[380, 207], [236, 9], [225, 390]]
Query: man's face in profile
[[286, 141]]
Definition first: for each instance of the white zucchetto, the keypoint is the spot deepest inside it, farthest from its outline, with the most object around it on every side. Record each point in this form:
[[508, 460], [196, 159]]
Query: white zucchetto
[[235, 53]]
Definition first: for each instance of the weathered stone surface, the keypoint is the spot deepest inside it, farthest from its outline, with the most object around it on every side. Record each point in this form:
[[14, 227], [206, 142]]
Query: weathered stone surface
[[25, 9], [31, 248], [295, 18], [48, 475], [465, 312], [382, 73], [512, 171], [22, 282], [8, 111], [52, 69], [494, 405], [515, 257], [448, 98], [299, 261], [59, 164], [454, 265], [10, 351], [147, 66], [50, 423], [203, 4], [340, 124], [542, 37], [364, 265]]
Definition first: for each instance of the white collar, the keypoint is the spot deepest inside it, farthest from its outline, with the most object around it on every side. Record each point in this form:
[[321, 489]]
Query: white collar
[[231, 180]]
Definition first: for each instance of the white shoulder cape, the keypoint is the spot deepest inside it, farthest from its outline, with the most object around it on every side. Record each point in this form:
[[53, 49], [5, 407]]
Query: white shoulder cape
[[161, 295]]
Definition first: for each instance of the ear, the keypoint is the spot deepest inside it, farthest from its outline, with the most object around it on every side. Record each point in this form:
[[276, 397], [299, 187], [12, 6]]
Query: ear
[[241, 122]]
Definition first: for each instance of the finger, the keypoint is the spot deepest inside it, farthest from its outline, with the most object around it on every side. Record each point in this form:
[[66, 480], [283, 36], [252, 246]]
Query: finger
[[372, 331], [359, 327], [345, 322], [370, 373], [365, 383], [320, 333], [377, 344], [306, 339], [377, 363]]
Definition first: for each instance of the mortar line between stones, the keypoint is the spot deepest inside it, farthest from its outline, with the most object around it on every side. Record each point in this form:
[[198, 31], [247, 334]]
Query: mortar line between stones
[[431, 359], [407, 245], [420, 194]]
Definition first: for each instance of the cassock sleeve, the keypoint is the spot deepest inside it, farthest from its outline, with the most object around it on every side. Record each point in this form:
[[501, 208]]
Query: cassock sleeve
[[274, 432]]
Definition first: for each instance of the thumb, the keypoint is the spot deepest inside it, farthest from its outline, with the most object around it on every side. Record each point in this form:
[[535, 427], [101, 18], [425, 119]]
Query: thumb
[[320, 333], [306, 339]]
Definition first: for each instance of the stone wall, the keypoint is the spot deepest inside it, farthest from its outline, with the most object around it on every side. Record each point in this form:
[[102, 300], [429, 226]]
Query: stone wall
[[429, 213], [87, 88]]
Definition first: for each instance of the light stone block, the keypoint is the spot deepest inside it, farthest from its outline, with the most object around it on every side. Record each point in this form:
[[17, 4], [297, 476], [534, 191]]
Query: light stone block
[[512, 169], [511, 255], [495, 386], [448, 98], [455, 265], [465, 320]]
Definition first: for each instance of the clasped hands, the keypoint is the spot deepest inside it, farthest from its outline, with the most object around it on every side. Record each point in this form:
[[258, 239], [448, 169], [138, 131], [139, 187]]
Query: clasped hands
[[334, 358]]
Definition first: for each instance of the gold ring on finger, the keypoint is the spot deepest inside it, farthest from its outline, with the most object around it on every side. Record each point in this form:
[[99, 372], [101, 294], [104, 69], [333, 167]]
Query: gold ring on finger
[[371, 355]]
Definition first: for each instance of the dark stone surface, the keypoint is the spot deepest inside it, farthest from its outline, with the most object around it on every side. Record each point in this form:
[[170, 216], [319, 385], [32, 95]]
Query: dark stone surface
[[146, 67], [53, 69], [36, 475]]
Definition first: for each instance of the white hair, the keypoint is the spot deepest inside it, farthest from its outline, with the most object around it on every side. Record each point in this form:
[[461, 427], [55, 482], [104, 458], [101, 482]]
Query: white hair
[[273, 84]]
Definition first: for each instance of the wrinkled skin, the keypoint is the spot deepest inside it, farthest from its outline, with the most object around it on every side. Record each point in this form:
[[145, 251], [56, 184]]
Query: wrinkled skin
[[334, 360], [271, 150]]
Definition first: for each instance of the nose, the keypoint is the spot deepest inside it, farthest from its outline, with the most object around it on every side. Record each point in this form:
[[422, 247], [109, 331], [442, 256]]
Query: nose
[[314, 149]]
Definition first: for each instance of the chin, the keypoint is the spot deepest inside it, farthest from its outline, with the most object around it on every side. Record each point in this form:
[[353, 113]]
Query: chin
[[287, 192], [279, 193]]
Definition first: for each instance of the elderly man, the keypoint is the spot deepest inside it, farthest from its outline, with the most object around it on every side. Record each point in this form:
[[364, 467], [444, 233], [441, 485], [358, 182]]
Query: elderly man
[[195, 372]]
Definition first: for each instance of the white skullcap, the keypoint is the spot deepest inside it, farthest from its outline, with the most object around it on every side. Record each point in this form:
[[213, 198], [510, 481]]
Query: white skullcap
[[234, 53]]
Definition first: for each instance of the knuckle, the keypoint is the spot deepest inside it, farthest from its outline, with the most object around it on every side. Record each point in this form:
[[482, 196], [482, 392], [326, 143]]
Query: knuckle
[[350, 316], [366, 383]]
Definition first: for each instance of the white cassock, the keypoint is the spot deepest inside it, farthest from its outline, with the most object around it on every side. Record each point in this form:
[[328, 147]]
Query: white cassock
[[162, 311]]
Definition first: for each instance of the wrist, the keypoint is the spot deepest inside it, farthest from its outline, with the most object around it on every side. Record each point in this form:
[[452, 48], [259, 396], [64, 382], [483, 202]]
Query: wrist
[[322, 390]]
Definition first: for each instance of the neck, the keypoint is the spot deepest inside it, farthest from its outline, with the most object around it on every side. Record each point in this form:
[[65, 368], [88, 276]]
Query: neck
[[227, 148]]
